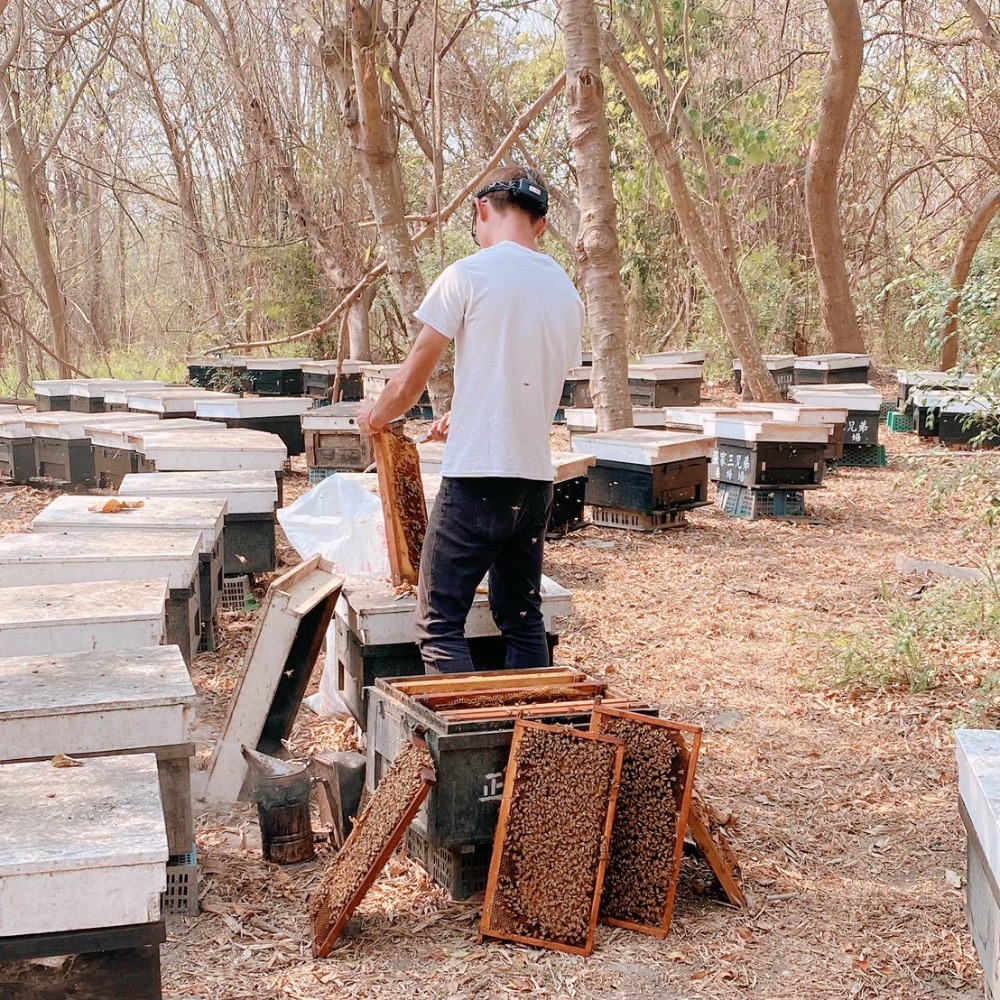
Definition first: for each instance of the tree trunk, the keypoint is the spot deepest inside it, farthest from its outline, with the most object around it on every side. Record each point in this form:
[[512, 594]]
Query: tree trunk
[[726, 290], [597, 241], [32, 199], [840, 87], [359, 326], [967, 246]]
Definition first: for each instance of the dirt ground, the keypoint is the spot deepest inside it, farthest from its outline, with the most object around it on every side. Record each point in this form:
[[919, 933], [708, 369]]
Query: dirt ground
[[844, 807]]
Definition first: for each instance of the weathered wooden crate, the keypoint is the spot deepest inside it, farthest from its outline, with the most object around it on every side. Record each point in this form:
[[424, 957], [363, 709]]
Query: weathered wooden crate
[[830, 369], [665, 385], [70, 618], [97, 703], [83, 847], [546, 878], [278, 415], [318, 378], [39, 559], [251, 499], [73, 513], [286, 641], [334, 441]]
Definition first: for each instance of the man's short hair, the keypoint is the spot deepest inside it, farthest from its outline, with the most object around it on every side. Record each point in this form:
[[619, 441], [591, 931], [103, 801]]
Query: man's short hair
[[504, 200]]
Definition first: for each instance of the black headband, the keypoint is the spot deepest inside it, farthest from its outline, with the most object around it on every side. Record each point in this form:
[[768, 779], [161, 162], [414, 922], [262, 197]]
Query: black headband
[[525, 192]]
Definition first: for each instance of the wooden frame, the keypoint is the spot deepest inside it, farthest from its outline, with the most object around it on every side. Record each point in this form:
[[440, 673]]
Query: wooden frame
[[325, 928], [538, 710], [485, 926], [403, 507], [715, 849], [480, 681], [690, 755], [513, 695]]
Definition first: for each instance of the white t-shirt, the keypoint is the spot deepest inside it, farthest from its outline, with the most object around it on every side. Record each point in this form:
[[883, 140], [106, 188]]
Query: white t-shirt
[[517, 323]]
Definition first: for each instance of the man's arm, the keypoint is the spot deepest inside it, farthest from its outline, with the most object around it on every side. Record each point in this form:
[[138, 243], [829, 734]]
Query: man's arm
[[404, 389]]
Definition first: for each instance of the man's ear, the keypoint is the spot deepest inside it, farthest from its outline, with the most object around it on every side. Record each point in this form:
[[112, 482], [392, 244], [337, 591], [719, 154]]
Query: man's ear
[[540, 226]]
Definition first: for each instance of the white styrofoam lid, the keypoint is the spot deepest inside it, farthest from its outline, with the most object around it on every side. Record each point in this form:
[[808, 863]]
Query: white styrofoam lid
[[224, 438], [748, 429], [246, 491], [854, 401], [275, 364], [773, 362], [664, 373], [257, 406], [106, 813], [156, 514], [974, 405], [644, 446], [80, 546], [329, 367], [64, 604], [642, 416], [98, 387], [833, 361], [798, 412], [674, 358], [66, 682], [572, 464]]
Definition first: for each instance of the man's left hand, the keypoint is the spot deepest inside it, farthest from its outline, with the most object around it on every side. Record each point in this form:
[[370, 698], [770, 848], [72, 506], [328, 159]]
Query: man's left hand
[[364, 419]]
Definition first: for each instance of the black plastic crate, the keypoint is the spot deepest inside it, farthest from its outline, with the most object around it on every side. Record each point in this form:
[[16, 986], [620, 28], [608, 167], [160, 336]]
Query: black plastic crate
[[778, 464], [359, 666], [648, 488], [863, 456], [462, 870]]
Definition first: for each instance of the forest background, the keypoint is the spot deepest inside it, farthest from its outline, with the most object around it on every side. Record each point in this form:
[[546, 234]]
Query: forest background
[[187, 175]]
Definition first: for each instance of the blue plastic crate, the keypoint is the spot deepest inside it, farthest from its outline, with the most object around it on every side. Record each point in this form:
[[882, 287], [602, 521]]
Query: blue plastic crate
[[752, 504]]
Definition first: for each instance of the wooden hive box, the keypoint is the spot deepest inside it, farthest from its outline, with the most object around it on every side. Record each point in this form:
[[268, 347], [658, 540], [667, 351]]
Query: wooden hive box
[[98, 703], [83, 847], [51, 393], [802, 413], [862, 406], [42, 559], [675, 358], [74, 513], [276, 376], [73, 618], [171, 403], [665, 385], [226, 374], [333, 440], [251, 498], [781, 367], [17, 448], [963, 421], [90, 396]]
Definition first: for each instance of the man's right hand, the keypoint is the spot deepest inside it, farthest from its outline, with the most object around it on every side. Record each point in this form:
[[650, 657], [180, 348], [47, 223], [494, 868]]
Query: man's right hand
[[439, 428]]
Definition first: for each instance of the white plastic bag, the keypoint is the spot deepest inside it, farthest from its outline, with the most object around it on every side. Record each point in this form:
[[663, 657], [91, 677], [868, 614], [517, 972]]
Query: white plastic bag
[[342, 522]]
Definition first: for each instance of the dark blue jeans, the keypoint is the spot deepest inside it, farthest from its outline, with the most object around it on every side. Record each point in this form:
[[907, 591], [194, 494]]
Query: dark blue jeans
[[479, 525]]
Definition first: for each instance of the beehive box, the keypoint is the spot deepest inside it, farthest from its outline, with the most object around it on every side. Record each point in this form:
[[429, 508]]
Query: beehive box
[[276, 376], [576, 388], [962, 422], [801, 413], [692, 357], [73, 513], [278, 415], [96, 703], [582, 420], [758, 452], [781, 367], [17, 448], [375, 378], [227, 450], [72, 618], [171, 404], [665, 385], [978, 757], [569, 489], [36, 559], [251, 499], [862, 405], [318, 378], [224, 374], [928, 381], [333, 440], [51, 394], [647, 839], [549, 859], [832, 368], [469, 754], [114, 449], [90, 395], [647, 470], [83, 847]]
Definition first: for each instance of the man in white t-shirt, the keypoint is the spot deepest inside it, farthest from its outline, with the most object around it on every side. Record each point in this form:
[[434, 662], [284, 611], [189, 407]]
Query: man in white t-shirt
[[517, 322]]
